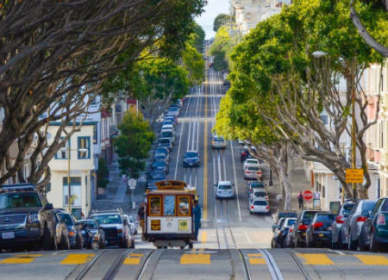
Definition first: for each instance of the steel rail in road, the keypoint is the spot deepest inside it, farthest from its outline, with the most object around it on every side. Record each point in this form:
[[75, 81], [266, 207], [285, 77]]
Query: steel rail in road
[[272, 266]]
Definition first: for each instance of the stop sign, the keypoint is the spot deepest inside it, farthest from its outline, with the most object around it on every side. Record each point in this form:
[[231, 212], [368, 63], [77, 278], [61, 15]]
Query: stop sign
[[307, 194]]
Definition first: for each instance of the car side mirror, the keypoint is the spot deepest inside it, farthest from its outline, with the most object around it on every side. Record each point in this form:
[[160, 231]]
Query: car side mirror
[[48, 206]]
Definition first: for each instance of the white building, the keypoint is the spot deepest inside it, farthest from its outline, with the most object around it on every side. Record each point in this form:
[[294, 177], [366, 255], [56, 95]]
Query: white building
[[79, 166]]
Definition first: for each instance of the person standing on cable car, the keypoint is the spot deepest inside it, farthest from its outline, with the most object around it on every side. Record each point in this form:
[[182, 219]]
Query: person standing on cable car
[[197, 217]]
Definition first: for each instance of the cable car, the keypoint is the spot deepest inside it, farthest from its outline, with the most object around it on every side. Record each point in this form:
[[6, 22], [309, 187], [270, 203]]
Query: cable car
[[169, 218]]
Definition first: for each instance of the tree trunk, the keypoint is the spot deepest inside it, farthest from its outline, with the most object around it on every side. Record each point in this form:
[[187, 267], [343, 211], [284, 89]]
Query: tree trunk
[[283, 177]]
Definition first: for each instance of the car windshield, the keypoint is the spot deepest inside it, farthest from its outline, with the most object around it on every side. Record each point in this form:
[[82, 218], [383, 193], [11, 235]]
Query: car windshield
[[251, 161], [161, 151], [19, 200], [260, 202], [325, 218], [385, 205], [65, 218], [167, 134], [89, 224], [257, 185], [260, 194], [308, 216], [159, 163], [224, 187], [108, 219], [218, 139], [252, 168], [367, 206], [191, 155], [164, 141]]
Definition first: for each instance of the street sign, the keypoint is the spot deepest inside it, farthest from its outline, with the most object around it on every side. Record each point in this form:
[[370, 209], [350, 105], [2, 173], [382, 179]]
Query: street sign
[[354, 175], [132, 183], [307, 195]]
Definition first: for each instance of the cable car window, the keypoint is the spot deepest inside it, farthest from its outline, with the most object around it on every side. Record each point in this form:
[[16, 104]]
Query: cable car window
[[183, 206], [169, 205], [155, 206]]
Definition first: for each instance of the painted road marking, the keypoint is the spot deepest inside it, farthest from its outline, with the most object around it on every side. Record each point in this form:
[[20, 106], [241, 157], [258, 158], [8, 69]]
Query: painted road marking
[[203, 237], [205, 160], [316, 259], [372, 259], [133, 259], [256, 258], [20, 259], [195, 259], [74, 259]]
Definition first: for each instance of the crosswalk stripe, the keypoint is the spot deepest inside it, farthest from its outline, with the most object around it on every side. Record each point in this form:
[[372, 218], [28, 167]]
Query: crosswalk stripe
[[75, 259], [316, 259], [133, 259], [20, 259], [203, 237], [372, 259], [195, 259]]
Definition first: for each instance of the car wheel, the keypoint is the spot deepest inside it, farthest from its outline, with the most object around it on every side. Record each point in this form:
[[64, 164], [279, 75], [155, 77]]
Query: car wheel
[[95, 245]]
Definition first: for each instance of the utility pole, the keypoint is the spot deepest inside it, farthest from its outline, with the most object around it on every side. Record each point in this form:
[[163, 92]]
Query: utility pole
[[68, 177]]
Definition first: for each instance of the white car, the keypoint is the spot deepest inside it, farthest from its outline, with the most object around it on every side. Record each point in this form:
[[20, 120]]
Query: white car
[[259, 194], [252, 173], [224, 189], [251, 162], [218, 142], [167, 126], [258, 206]]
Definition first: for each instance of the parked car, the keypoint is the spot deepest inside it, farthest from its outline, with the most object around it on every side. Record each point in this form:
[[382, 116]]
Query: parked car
[[161, 157], [303, 221], [165, 142], [171, 118], [224, 189], [253, 173], [92, 234], [244, 155], [319, 230], [276, 230], [218, 142], [161, 150], [288, 242], [115, 227], [259, 194], [167, 126], [168, 134], [283, 215], [338, 241], [167, 122], [375, 229], [259, 205], [255, 186], [352, 228], [191, 159], [25, 221], [160, 166], [251, 162], [172, 110], [72, 236], [280, 240], [155, 176]]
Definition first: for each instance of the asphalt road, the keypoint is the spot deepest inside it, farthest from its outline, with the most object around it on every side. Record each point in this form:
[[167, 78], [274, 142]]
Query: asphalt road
[[232, 243]]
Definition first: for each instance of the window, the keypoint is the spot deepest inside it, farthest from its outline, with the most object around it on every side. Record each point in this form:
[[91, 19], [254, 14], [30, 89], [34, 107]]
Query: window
[[63, 152], [75, 185], [84, 147], [95, 134], [169, 205], [155, 208], [183, 206]]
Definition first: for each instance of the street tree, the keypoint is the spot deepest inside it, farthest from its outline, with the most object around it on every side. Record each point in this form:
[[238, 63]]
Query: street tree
[[220, 20], [221, 49], [54, 56], [133, 143]]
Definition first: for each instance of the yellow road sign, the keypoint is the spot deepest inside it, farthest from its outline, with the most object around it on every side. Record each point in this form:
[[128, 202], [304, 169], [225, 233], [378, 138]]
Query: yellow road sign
[[353, 175]]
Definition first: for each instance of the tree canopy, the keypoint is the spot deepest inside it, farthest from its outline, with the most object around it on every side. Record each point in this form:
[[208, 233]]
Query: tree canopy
[[220, 20]]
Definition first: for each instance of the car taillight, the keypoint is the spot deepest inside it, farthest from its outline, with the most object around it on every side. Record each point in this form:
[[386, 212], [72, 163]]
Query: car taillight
[[381, 220], [339, 220], [361, 219], [317, 225], [246, 172], [71, 233], [252, 207], [267, 207], [291, 230], [302, 227]]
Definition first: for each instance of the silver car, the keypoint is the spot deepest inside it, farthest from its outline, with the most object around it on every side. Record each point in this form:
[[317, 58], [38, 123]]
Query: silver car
[[259, 206], [224, 189], [352, 227]]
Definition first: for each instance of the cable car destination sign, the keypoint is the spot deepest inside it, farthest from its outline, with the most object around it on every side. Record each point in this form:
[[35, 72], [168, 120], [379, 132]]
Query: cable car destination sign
[[354, 175]]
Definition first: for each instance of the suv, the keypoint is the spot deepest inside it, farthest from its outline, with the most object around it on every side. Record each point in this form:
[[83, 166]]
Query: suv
[[25, 218], [115, 226], [304, 220]]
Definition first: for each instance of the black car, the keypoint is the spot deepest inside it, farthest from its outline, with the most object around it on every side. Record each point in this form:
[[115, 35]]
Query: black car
[[161, 166], [301, 225], [282, 232], [191, 159], [25, 221], [115, 227], [161, 150], [93, 235], [319, 230]]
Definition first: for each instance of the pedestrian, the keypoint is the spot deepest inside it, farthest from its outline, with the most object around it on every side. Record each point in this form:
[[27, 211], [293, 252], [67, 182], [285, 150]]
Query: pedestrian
[[140, 215], [300, 200], [197, 217]]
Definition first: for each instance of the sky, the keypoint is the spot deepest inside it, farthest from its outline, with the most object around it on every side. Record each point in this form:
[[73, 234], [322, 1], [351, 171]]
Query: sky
[[212, 9]]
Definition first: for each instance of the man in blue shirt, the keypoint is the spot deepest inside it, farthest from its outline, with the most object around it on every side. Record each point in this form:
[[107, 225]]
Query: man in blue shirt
[[197, 217]]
